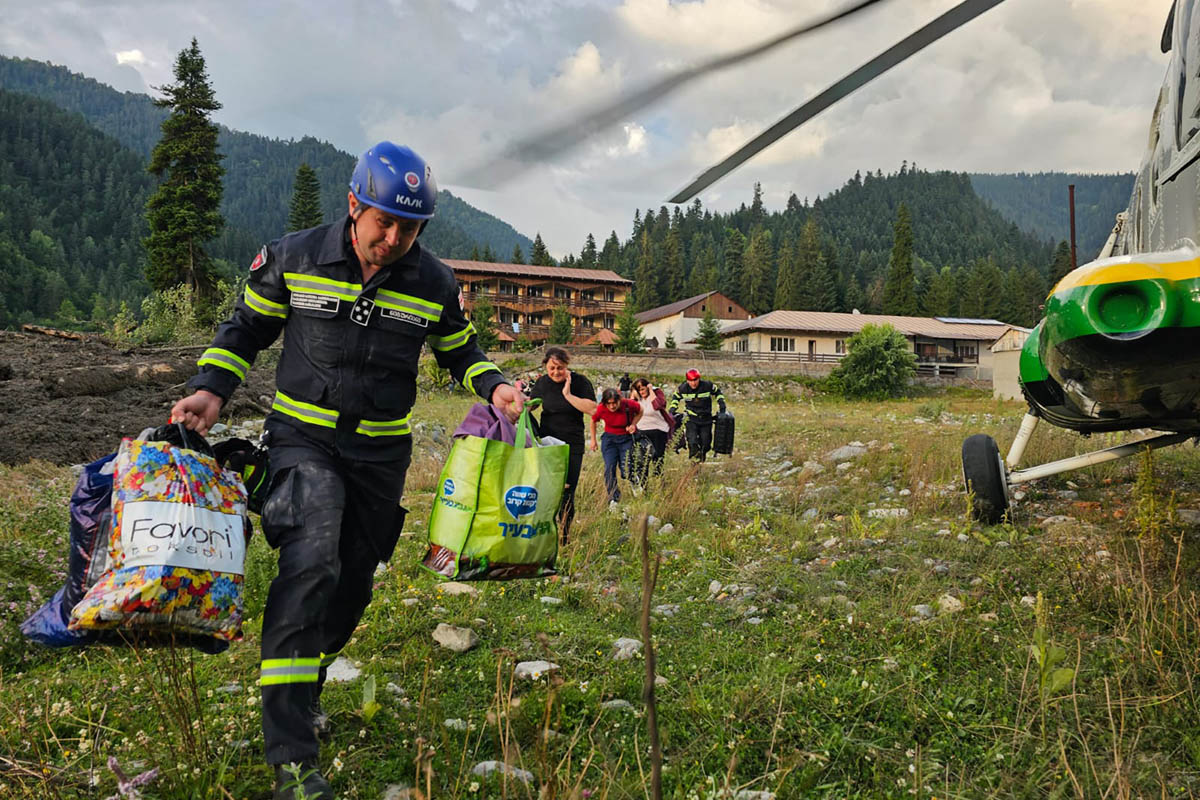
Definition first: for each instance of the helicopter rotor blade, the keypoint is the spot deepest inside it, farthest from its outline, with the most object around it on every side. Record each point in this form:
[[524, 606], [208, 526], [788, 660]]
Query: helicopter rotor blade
[[554, 140], [897, 53]]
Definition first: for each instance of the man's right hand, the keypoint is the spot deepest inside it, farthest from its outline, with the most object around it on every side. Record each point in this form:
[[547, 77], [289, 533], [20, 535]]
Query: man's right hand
[[197, 412]]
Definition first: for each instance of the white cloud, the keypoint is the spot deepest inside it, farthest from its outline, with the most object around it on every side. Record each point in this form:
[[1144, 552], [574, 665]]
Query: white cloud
[[130, 57]]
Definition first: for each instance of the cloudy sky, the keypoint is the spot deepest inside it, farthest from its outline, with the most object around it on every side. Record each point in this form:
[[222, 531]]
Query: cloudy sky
[[1031, 85]]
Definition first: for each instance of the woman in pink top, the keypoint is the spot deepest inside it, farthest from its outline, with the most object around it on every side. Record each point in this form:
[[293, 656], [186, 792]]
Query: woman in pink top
[[653, 430], [620, 418]]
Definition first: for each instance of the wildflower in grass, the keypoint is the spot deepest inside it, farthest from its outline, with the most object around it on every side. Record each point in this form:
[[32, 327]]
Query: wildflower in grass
[[474, 787], [337, 764]]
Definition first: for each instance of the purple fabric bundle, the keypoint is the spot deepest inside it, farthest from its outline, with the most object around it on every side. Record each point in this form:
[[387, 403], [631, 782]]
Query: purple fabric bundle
[[488, 422]]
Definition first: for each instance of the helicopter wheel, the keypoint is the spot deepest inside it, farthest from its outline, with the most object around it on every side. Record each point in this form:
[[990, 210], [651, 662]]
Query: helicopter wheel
[[984, 473]]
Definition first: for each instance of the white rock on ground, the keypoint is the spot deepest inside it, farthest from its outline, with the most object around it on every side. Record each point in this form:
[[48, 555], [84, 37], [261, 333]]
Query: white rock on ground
[[852, 450], [458, 640], [617, 705], [626, 648], [456, 724], [455, 589], [397, 791], [949, 604], [342, 670], [888, 513], [547, 600], [668, 528], [924, 611], [534, 669], [1029, 600], [485, 768], [753, 794]]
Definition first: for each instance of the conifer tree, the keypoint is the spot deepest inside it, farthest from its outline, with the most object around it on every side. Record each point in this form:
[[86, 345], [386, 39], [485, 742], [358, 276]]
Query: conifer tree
[[705, 274], [785, 286], [708, 334], [645, 276], [674, 278], [305, 211], [540, 256], [488, 255], [587, 256], [757, 273], [941, 296], [562, 326], [474, 254], [731, 266], [809, 264], [629, 332], [899, 288], [485, 330], [517, 256], [610, 255], [669, 342], [184, 212], [981, 297], [824, 284], [1061, 264]]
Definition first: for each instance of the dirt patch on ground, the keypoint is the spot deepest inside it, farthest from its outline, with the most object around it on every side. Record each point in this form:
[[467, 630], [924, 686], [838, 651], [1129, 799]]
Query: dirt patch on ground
[[38, 422]]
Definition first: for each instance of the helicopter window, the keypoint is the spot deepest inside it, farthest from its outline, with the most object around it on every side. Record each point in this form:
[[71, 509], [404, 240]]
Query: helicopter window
[[1187, 109]]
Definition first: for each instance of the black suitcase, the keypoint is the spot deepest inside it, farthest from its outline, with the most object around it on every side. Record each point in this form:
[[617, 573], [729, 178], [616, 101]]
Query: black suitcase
[[723, 434]]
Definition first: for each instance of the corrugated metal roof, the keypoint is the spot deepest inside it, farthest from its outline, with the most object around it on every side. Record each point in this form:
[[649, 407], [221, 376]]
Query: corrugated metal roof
[[835, 322], [670, 308], [530, 271]]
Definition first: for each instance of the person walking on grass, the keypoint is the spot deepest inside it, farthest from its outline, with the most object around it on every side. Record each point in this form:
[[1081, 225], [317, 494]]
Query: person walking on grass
[[620, 417], [623, 384], [695, 398], [654, 428], [566, 398], [356, 300]]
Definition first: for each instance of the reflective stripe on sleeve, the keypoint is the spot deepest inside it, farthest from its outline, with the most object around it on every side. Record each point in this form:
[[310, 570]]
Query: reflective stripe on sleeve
[[406, 302], [305, 412], [454, 340], [477, 369], [259, 304], [277, 671], [387, 427], [216, 357], [327, 659]]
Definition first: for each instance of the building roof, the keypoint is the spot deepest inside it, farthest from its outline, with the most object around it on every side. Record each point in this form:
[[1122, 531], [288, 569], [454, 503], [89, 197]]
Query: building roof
[[530, 271], [603, 336], [671, 308], [835, 322]]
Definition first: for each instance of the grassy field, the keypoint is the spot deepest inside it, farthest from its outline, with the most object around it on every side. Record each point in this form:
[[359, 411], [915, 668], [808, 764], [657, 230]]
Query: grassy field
[[810, 647]]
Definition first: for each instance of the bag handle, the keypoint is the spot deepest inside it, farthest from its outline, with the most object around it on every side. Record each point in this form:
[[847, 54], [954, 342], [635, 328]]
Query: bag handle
[[525, 426]]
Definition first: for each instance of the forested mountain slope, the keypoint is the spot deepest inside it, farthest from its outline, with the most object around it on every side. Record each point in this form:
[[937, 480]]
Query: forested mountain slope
[[258, 170], [1038, 203]]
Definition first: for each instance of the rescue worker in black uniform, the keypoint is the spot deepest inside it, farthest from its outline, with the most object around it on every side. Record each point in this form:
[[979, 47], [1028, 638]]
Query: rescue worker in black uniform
[[356, 301], [694, 396]]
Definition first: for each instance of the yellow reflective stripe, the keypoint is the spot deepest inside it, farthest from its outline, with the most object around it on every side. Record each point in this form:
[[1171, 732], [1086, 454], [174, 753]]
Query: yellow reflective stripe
[[313, 284], [277, 671], [305, 412], [216, 357], [405, 302], [387, 427], [268, 308], [476, 370], [445, 343]]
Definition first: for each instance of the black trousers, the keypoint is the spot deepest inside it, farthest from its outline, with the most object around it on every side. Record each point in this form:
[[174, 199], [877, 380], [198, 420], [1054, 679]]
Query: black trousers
[[699, 439], [333, 521], [648, 460], [566, 508]]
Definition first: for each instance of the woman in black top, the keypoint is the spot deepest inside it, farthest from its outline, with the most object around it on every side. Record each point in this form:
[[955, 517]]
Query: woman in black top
[[566, 398]]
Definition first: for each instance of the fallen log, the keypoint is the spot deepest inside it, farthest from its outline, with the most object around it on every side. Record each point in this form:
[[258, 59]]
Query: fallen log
[[61, 334], [109, 378]]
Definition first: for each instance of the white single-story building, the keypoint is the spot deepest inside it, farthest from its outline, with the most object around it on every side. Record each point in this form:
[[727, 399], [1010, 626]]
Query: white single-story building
[[681, 319]]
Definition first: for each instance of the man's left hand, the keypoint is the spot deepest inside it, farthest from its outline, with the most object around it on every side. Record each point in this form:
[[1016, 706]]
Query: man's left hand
[[509, 400]]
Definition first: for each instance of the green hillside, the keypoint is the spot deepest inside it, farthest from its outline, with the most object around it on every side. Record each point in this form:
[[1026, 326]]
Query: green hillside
[[1038, 203], [258, 170]]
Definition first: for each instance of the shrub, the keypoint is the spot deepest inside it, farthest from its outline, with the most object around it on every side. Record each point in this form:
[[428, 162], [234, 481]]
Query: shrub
[[878, 364]]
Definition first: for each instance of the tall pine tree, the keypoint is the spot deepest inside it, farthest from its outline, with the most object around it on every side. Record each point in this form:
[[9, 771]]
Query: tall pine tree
[[587, 256], [731, 265], [629, 332], [757, 273], [645, 276], [184, 212], [786, 284], [517, 256], [540, 256], [305, 210], [899, 288]]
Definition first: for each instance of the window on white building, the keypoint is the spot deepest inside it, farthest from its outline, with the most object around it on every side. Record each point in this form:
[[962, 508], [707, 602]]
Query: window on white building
[[783, 344], [839, 346], [741, 345]]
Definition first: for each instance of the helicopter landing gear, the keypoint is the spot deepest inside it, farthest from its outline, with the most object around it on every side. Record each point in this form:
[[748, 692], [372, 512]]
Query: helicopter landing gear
[[985, 475]]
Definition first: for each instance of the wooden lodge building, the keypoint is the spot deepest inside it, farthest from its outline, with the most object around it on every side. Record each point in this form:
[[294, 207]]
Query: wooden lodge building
[[681, 320], [525, 297]]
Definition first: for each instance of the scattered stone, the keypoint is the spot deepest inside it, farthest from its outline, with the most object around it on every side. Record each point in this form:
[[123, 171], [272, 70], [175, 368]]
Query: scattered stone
[[1068, 494], [888, 513], [1072, 485], [989, 616], [653, 523], [1188, 516], [962, 537], [809, 514], [977, 581], [948, 604], [456, 589], [1057, 519], [666, 610], [715, 587], [813, 467], [486, 768], [1029, 600], [617, 705], [229, 688], [458, 640], [342, 671], [1003, 543], [924, 611], [533, 669], [1103, 554], [889, 664], [941, 569], [398, 791], [844, 466], [547, 600], [456, 724], [410, 601], [751, 794], [852, 450], [394, 689], [626, 649], [668, 528], [754, 621], [832, 541], [439, 610], [942, 532]]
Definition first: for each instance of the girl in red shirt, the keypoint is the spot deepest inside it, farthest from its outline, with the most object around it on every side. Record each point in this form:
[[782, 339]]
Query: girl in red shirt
[[620, 418]]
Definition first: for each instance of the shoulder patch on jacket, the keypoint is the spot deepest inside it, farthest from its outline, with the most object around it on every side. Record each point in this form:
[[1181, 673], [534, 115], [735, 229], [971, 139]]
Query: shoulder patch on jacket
[[260, 260]]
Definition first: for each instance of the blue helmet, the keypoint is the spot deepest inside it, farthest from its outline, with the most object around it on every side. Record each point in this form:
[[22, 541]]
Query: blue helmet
[[395, 180]]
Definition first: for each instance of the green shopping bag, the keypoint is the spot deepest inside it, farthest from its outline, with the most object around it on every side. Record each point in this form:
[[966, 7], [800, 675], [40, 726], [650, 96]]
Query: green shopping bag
[[495, 516]]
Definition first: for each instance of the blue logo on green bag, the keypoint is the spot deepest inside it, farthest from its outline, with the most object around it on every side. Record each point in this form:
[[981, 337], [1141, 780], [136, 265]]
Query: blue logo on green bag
[[521, 500], [448, 487]]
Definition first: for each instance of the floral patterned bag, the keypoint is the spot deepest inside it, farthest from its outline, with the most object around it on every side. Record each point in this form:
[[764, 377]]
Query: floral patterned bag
[[178, 545]]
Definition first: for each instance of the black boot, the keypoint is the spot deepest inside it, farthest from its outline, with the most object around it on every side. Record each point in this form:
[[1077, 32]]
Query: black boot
[[306, 777]]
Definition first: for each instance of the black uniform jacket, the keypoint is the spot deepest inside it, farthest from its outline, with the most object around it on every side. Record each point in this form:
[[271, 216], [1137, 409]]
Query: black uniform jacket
[[697, 403], [347, 375]]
